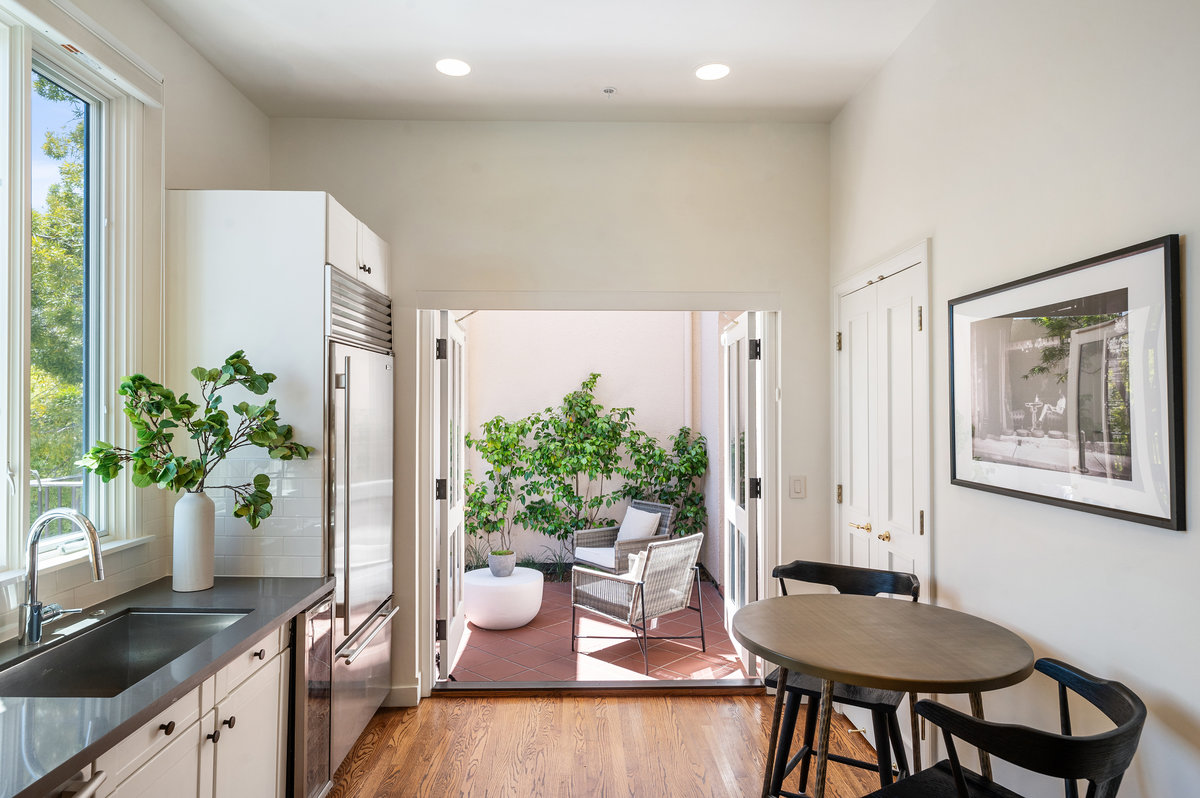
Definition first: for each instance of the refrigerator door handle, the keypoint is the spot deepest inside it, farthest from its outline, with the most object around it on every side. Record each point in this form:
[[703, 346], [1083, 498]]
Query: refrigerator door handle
[[350, 656], [346, 496]]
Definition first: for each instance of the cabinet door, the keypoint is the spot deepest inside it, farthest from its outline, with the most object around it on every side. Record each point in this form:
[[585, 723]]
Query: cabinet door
[[341, 237], [173, 771], [246, 756], [372, 259]]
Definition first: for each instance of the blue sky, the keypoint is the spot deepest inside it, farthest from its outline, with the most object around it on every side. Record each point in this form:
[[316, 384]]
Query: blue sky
[[46, 115]]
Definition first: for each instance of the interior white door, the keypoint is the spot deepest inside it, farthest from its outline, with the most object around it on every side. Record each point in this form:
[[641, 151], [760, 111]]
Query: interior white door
[[449, 451], [882, 443], [741, 446]]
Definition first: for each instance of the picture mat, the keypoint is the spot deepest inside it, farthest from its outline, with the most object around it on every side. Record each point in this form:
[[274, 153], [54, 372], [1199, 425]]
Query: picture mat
[[1148, 493]]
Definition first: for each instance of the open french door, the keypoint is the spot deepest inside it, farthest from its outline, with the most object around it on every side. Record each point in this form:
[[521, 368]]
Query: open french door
[[449, 450], [742, 458]]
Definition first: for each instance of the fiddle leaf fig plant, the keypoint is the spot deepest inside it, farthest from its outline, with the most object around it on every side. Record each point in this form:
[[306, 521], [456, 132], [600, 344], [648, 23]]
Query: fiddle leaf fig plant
[[157, 416]]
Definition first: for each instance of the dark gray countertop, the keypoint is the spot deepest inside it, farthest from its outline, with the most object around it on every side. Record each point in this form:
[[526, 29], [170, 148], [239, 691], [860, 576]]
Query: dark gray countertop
[[44, 741]]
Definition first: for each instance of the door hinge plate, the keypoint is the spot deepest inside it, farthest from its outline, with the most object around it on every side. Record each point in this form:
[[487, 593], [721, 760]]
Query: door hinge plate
[[921, 521], [755, 349], [440, 487], [755, 487], [839, 494], [439, 629], [439, 349], [837, 345], [920, 318]]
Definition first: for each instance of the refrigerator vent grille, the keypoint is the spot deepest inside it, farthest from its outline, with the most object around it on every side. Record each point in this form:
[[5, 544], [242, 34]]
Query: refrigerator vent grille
[[357, 314]]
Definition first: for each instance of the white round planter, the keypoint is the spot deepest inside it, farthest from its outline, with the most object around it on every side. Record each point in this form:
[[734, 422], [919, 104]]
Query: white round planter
[[192, 556]]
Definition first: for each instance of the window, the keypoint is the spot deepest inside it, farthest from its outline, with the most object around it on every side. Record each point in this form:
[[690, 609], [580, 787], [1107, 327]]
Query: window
[[62, 313], [81, 302]]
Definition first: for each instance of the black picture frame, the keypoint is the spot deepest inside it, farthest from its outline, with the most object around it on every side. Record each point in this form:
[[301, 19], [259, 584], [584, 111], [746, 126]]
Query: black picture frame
[[1066, 387]]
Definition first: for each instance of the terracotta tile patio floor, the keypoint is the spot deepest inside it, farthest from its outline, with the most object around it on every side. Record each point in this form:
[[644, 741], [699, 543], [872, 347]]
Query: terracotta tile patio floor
[[541, 650]]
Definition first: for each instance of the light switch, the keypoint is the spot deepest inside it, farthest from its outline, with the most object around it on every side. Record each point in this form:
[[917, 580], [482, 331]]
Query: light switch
[[799, 488]]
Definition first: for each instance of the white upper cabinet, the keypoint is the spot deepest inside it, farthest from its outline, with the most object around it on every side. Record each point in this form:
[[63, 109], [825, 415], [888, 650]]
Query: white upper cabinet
[[341, 237], [372, 259], [352, 247]]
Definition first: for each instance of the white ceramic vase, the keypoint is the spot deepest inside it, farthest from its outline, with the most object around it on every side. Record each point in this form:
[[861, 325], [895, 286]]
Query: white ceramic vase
[[192, 557]]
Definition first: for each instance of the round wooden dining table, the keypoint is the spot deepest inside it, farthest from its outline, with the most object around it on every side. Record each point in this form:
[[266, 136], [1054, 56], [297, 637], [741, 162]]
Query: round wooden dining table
[[877, 642]]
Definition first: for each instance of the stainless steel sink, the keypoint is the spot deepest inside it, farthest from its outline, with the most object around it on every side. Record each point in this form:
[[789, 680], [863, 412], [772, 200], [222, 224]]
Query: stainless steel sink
[[112, 656]]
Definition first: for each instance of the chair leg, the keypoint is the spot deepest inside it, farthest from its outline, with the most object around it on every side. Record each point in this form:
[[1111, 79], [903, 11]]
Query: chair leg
[[645, 633], [787, 729], [898, 745], [700, 604], [810, 733], [883, 746], [573, 635]]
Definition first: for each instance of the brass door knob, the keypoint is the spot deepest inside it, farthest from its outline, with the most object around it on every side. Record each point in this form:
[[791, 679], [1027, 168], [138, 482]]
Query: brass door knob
[[864, 527], [885, 537]]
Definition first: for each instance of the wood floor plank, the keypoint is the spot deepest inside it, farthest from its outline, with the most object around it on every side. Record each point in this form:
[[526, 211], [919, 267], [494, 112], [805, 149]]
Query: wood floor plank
[[578, 747]]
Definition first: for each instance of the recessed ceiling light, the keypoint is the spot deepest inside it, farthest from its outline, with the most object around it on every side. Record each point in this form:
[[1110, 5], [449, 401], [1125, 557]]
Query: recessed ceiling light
[[712, 72], [453, 67]]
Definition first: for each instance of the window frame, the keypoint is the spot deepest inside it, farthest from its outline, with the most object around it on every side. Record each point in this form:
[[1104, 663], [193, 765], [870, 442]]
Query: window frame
[[126, 270]]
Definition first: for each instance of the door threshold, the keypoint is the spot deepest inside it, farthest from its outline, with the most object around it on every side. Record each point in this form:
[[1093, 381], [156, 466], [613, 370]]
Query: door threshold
[[703, 687]]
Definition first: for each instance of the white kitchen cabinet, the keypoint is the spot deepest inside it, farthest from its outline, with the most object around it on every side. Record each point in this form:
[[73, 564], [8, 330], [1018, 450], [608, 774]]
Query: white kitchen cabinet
[[372, 259], [237, 748], [248, 756], [352, 247]]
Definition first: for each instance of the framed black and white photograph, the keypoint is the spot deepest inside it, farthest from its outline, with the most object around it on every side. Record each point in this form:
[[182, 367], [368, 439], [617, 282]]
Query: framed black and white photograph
[[1067, 387]]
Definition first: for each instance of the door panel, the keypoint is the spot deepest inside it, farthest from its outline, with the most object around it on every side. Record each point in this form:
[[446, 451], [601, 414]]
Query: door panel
[[742, 447], [856, 426], [449, 466]]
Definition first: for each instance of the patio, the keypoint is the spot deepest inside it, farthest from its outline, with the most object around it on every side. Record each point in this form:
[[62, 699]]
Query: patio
[[541, 650]]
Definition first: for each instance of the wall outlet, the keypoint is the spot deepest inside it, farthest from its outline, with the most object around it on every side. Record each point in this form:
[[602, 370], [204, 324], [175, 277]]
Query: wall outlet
[[798, 488]]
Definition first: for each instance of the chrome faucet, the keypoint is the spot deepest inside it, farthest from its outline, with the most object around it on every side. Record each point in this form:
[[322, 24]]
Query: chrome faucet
[[32, 614]]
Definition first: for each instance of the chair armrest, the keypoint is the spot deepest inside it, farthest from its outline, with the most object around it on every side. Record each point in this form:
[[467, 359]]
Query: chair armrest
[[599, 538], [1033, 749], [580, 575]]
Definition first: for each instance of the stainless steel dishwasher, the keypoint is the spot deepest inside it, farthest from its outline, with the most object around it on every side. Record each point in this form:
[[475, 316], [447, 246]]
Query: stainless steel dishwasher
[[312, 730]]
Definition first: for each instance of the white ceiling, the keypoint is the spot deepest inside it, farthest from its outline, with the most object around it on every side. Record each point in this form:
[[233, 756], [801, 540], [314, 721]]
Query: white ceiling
[[791, 60]]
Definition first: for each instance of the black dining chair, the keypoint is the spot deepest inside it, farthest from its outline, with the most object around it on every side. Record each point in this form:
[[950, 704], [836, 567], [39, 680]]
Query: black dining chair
[[882, 704], [1100, 759]]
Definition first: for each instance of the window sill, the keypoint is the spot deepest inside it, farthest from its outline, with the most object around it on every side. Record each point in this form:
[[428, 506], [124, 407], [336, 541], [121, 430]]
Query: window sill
[[60, 561]]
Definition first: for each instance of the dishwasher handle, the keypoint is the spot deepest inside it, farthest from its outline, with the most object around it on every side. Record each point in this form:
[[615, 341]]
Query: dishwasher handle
[[350, 656]]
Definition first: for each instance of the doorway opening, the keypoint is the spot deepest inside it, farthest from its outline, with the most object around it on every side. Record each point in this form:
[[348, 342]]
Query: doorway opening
[[547, 423]]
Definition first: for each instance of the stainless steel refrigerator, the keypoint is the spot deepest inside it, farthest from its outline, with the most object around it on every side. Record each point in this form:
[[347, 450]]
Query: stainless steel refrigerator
[[360, 373]]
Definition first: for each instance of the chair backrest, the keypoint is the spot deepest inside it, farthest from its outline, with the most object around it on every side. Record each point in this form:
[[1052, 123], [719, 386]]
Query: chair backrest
[[848, 578], [668, 575], [665, 512], [1101, 759]]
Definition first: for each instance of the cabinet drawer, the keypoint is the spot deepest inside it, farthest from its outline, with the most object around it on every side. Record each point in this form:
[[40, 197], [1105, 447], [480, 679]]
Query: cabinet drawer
[[174, 771], [247, 663], [131, 753]]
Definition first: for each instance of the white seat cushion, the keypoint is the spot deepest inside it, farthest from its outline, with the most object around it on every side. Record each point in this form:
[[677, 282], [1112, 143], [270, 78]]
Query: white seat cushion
[[605, 557], [638, 524]]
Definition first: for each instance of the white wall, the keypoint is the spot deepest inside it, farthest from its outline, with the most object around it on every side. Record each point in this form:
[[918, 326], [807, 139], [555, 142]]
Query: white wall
[[520, 362], [1021, 136], [594, 211], [214, 136]]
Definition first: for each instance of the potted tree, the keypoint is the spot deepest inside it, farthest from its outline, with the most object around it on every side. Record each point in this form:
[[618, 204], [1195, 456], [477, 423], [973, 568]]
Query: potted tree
[[491, 505], [156, 414]]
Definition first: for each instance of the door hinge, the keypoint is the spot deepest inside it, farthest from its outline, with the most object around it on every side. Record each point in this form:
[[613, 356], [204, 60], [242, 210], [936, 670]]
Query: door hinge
[[921, 521], [439, 629], [439, 488], [755, 487], [755, 349], [837, 342], [439, 349], [920, 318], [839, 494]]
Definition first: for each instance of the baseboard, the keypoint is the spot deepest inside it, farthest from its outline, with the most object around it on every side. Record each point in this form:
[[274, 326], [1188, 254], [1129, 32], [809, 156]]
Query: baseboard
[[406, 695]]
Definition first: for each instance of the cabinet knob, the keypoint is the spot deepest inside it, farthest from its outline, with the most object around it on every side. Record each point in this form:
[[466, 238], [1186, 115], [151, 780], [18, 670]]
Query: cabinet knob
[[215, 736], [168, 728], [362, 267], [260, 654], [230, 721]]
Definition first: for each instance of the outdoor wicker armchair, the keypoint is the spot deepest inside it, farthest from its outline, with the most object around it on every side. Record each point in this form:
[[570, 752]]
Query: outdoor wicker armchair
[[663, 586], [599, 548]]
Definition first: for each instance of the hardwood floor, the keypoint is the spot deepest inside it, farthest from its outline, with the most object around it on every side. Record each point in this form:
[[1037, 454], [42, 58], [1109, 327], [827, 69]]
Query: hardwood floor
[[579, 746]]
